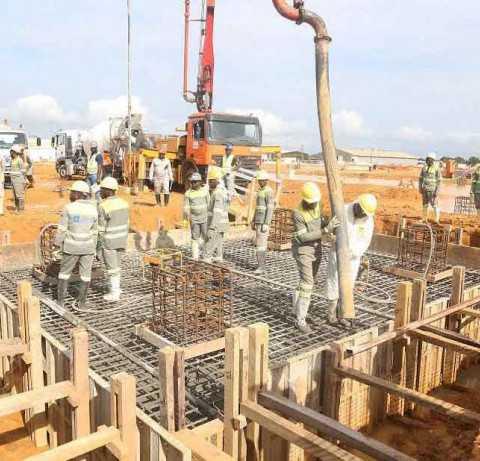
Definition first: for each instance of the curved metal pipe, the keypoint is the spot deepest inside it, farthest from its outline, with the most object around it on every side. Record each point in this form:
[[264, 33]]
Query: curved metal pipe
[[322, 40]]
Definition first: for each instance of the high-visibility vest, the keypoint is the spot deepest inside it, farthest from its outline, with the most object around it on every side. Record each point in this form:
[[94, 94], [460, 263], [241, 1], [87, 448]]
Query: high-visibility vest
[[430, 177], [107, 160], [227, 162], [309, 221], [113, 223], [92, 164], [265, 206], [195, 205], [476, 181]]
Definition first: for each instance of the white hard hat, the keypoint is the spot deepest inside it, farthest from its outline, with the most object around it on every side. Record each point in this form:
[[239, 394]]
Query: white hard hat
[[196, 177], [432, 155], [16, 148], [93, 144], [80, 186], [262, 175], [109, 183]]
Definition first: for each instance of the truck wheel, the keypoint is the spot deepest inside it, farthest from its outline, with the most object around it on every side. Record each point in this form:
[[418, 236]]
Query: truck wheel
[[62, 172]]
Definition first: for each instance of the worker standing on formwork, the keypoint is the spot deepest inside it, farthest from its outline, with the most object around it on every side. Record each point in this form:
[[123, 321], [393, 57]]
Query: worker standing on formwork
[[162, 177], [217, 218], [262, 219], [17, 175], [77, 239], [309, 226], [429, 186], [360, 224], [195, 210], [230, 164], [113, 227], [94, 170], [2, 184], [475, 190]]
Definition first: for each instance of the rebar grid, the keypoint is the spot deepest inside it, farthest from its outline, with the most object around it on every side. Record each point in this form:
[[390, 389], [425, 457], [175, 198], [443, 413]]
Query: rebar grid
[[464, 205], [423, 248], [281, 229], [49, 264], [192, 301]]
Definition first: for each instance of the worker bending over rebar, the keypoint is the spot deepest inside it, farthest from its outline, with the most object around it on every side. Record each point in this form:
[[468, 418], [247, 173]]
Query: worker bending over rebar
[[262, 219], [217, 218], [429, 186], [113, 227], [359, 217], [162, 178], [475, 190], [77, 239], [309, 226], [195, 210]]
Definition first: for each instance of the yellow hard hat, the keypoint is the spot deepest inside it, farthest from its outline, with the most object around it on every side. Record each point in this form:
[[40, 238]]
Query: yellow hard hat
[[262, 175], [109, 183], [215, 173], [311, 193], [80, 186], [368, 202]]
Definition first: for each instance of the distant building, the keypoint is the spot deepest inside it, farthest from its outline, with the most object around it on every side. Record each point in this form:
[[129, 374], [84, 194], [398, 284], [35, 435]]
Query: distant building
[[376, 157], [296, 156]]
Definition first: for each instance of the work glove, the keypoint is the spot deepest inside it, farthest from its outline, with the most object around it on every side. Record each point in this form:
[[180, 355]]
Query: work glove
[[329, 238], [265, 228], [56, 255], [185, 223], [253, 226], [332, 225]]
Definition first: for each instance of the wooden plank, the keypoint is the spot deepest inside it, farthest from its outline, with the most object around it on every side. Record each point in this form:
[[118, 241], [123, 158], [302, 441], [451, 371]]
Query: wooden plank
[[452, 335], [211, 431], [417, 275], [166, 363], [20, 402], [330, 427], [201, 449], [150, 336], [411, 326], [79, 446], [441, 341], [445, 408], [13, 346], [179, 383], [295, 434], [470, 313], [204, 348]]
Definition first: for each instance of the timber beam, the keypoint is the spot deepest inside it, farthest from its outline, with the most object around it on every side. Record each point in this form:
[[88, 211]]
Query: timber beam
[[470, 313], [441, 341], [452, 335], [11, 347]]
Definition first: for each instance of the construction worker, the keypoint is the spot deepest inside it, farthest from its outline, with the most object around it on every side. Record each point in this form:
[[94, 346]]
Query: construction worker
[[217, 218], [429, 186], [17, 175], [195, 210], [2, 184], [360, 224], [262, 219], [113, 227], [94, 170], [230, 164], [474, 191], [28, 165], [77, 239], [107, 164], [162, 177], [309, 226]]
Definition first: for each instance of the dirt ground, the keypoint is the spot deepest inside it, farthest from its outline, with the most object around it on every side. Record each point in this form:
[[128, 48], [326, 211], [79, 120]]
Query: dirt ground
[[46, 199]]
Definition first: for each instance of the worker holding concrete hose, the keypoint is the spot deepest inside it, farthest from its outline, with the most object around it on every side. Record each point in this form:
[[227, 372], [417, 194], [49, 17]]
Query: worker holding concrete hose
[[429, 186], [162, 177], [113, 227], [195, 210], [475, 190], [77, 239], [309, 226], [262, 219], [217, 218], [230, 164], [359, 216], [17, 175], [94, 170]]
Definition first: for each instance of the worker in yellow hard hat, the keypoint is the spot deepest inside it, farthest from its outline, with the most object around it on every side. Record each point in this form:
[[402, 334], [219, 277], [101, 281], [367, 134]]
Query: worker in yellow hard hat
[[359, 217], [309, 225]]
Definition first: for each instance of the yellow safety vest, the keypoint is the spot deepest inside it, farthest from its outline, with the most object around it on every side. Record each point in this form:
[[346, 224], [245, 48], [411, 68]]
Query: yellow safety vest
[[227, 161], [92, 164]]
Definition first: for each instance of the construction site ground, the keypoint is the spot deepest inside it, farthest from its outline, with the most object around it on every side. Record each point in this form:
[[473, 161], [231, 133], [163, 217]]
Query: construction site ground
[[45, 201]]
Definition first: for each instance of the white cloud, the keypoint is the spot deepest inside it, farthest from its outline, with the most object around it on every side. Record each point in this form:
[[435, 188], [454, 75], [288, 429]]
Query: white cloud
[[103, 109], [41, 107], [350, 123], [464, 136], [413, 133]]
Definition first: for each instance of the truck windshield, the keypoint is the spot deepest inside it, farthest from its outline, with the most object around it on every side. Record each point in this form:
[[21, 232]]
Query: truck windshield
[[234, 132], [8, 139]]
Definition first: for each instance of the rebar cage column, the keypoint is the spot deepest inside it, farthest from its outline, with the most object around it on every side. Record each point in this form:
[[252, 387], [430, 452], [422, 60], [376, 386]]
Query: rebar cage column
[[281, 229]]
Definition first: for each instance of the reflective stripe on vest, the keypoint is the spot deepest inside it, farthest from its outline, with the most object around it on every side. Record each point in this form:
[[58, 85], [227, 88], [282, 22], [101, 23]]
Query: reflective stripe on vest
[[308, 217], [227, 161], [92, 164]]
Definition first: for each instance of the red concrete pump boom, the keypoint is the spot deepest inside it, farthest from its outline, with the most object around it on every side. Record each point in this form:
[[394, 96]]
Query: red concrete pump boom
[[203, 96]]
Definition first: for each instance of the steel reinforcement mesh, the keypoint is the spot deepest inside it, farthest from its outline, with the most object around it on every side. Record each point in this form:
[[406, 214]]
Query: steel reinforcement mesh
[[253, 301]]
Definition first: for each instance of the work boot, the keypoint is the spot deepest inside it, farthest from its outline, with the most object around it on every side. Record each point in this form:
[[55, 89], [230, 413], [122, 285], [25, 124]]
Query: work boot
[[82, 294], [17, 209], [21, 205], [332, 312], [115, 290], [437, 215], [158, 198], [166, 197], [302, 309], [195, 249], [61, 291], [295, 296], [262, 259]]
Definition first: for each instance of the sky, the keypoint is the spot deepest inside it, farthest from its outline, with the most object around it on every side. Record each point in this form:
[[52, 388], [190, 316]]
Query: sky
[[404, 75]]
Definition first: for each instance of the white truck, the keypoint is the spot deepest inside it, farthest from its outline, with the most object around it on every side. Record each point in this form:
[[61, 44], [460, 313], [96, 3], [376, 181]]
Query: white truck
[[9, 137], [70, 155]]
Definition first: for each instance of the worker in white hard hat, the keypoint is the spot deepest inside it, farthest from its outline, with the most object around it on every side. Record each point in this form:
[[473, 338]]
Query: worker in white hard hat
[[162, 177], [217, 224], [94, 170], [195, 210], [77, 239], [359, 217], [475, 189], [230, 164], [262, 219], [113, 227], [18, 174], [309, 225], [429, 186]]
